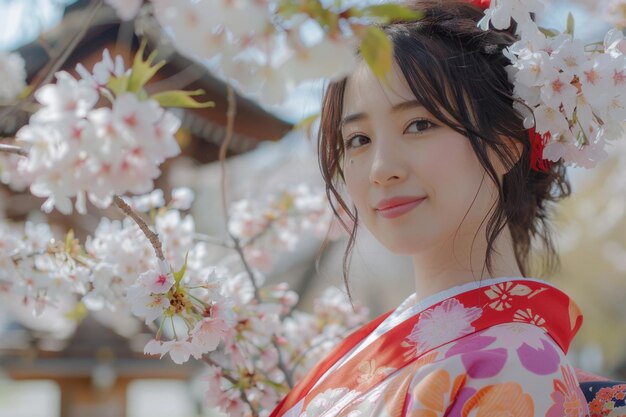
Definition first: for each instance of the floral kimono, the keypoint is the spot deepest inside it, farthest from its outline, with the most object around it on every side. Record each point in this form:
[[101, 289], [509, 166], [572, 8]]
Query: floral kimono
[[495, 348]]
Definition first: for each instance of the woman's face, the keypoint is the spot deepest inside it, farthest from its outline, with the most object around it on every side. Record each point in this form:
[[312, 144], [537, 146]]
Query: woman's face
[[399, 149]]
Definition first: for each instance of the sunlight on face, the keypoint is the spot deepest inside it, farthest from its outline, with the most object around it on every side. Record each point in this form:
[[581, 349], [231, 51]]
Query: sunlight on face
[[398, 149]]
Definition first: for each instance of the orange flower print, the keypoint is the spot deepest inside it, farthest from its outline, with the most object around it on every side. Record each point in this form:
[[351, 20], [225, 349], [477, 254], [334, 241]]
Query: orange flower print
[[609, 401], [527, 316], [569, 401], [502, 293], [430, 392], [505, 399], [395, 394], [429, 396]]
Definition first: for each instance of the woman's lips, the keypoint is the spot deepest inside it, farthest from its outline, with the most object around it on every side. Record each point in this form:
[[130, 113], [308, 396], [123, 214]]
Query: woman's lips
[[399, 210]]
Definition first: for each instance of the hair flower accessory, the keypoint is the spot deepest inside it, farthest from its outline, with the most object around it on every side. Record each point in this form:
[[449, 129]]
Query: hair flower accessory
[[577, 95], [483, 4]]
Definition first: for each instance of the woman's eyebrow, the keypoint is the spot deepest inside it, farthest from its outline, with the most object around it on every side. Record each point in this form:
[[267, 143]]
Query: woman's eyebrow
[[406, 105], [351, 119], [411, 104]]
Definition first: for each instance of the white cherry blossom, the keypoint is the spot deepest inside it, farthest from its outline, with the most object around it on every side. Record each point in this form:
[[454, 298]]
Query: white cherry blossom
[[208, 332], [12, 75], [102, 70], [182, 198], [67, 99], [558, 90], [179, 350], [147, 305], [569, 56], [500, 12], [126, 9], [549, 119]]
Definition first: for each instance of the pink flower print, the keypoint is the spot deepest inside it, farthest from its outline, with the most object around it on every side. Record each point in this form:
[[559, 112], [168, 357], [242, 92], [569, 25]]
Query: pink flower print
[[478, 361], [470, 344], [569, 400], [442, 324], [485, 363], [502, 293], [541, 361]]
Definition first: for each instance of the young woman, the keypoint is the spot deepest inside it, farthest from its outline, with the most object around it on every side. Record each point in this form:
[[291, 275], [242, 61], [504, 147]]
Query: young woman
[[438, 166]]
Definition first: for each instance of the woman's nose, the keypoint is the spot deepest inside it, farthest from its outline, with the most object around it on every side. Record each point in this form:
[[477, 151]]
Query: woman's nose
[[388, 166]]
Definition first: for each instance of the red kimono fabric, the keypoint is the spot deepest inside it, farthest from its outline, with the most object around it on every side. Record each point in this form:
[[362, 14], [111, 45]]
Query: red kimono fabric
[[494, 349]]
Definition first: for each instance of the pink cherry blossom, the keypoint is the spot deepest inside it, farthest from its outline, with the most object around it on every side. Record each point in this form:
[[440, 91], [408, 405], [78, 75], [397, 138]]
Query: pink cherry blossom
[[179, 350], [208, 333], [157, 281]]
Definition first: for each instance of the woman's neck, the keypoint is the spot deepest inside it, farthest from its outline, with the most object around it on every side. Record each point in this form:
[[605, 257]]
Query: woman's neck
[[444, 267]]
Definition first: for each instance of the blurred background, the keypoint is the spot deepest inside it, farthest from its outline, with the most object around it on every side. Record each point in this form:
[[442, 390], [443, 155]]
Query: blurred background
[[57, 367]]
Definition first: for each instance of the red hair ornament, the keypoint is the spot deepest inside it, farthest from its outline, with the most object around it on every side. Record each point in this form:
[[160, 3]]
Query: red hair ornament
[[537, 141], [483, 4]]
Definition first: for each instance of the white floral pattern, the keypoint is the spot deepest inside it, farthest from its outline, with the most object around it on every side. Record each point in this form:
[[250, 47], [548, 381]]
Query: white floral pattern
[[503, 292], [443, 323], [324, 402]]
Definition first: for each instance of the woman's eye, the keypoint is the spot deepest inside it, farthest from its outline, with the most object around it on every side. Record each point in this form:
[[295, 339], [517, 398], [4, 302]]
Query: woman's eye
[[356, 141], [419, 125]]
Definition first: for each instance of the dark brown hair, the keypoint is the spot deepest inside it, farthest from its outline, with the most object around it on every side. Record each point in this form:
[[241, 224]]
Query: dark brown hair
[[451, 64]]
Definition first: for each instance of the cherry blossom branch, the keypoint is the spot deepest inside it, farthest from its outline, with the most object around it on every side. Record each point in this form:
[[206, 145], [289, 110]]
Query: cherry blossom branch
[[211, 239], [233, 381], [13, 149], [230, 125], [231, 111], [152, 237], [281, 364], [126, 209], [254, 238]]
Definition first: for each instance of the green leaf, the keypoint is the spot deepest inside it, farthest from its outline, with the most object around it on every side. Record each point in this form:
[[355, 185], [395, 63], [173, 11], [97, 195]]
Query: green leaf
[[377, 50], [78, 313], [550, 33], [181, 98], [570, 24], [25, 92], [118, 85], [143, 70], [180, 274], [288, 9], [388, 12]]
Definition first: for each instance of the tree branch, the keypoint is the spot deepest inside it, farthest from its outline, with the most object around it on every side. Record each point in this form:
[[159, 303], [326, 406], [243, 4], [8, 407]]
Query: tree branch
[[233, 381], [230, 125], [152, 237], [17, 150]]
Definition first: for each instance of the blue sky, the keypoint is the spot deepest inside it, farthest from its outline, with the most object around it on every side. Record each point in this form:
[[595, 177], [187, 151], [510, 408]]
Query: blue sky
[[22, 20]]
